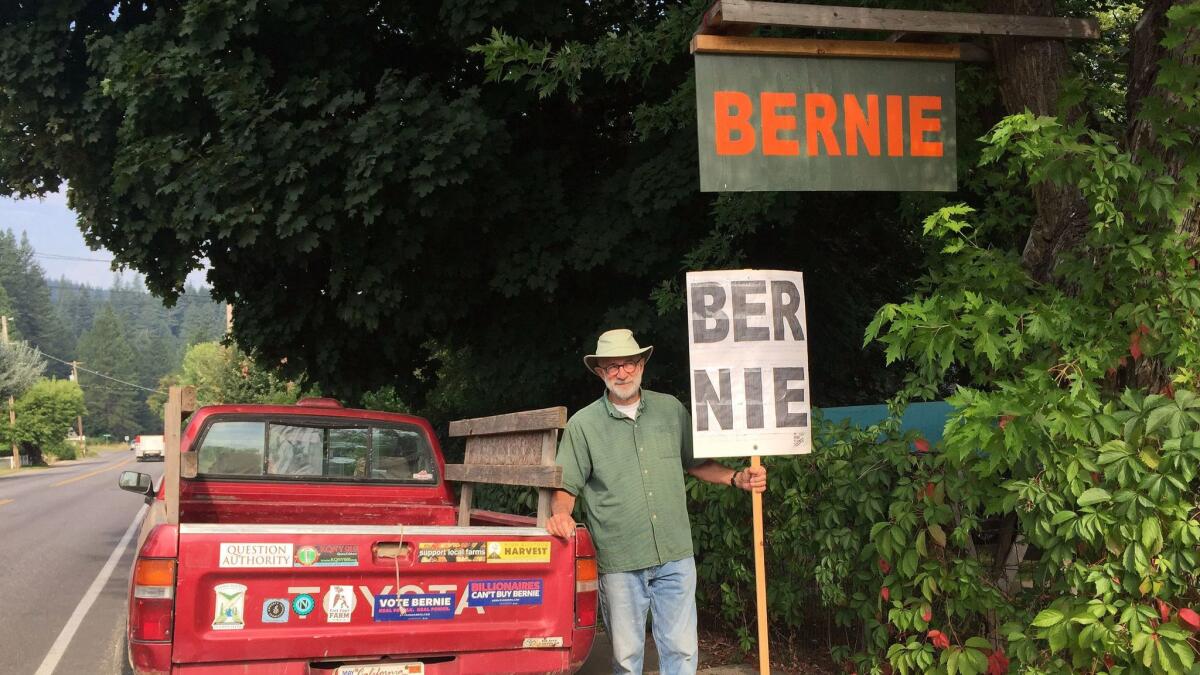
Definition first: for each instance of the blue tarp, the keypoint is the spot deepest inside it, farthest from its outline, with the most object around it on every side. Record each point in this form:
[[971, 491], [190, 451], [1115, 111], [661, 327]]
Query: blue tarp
[[927, 418]]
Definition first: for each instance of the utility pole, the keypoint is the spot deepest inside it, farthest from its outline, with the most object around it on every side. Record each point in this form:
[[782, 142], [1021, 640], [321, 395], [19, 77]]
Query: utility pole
[[78, 419], [12, 413]]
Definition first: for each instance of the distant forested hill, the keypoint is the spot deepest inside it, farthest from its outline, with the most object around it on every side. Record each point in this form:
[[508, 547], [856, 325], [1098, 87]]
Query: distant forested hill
[[123, 337]]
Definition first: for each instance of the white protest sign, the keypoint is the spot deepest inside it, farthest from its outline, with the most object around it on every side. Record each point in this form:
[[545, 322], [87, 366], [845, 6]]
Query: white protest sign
[[749, 363]]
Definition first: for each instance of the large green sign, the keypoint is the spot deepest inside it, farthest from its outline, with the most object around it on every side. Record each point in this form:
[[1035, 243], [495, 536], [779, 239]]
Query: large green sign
[[793, 123]]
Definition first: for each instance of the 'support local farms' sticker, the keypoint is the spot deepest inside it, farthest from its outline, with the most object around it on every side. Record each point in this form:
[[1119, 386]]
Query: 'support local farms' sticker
[[275, 610], [256, 555], [414, 607], [504, 592], [229, 611], [327, 555], [339, 603], [450, 551], [518, 551]]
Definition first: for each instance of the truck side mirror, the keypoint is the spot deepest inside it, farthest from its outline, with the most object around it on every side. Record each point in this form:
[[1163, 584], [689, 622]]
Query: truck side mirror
[[138, 483]]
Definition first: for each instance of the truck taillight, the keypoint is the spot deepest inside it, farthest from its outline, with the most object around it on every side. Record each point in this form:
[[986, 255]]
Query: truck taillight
[[587, 586], [153, 607]]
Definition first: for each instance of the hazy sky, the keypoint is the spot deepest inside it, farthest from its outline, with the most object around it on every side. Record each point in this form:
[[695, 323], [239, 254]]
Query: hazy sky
[[58, 242]]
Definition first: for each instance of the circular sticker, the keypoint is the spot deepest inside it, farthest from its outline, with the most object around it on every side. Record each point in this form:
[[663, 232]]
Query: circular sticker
[[275, 609], [304, 604], [307, 555]]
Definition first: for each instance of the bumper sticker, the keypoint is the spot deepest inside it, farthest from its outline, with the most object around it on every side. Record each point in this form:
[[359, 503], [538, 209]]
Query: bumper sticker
[[542, 642], [450, 551], [327, 555], [339, 603], [414, 607], [504, 592], [275, 610], [255, 555], [229, 613], [303, 605], [518, 551]]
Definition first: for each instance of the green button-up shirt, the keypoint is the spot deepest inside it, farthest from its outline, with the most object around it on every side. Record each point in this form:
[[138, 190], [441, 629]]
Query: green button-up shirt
[[630, 473]]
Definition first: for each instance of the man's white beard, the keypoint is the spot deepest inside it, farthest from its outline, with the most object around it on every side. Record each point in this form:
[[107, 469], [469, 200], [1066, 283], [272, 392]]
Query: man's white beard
[[624, 392]]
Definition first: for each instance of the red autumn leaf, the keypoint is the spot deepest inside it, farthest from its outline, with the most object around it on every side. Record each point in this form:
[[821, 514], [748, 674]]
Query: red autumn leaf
[[930, 488], [884, 566], [997, 663], [1189, 619], [927, 615], [1109, 662], [1143, 329], [921, 444], [1164, 612], [1004, 420], [939, 639], [1168, 391], [1135, 345], [885, 594]]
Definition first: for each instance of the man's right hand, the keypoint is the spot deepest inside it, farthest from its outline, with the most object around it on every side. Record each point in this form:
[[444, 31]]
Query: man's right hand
[[561, 525]]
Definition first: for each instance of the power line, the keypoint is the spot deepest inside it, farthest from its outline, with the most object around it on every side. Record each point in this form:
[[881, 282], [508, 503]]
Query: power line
[[107, 377], [58, 256]]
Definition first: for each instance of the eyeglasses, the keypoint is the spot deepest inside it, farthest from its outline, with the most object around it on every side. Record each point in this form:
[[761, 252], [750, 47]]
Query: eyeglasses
[[628, 366]]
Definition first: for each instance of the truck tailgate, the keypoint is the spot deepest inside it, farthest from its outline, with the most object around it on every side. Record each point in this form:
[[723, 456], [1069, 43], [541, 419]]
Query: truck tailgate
[[257, 592]]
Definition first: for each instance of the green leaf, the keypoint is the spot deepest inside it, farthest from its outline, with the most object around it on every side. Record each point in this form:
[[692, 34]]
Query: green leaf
[[938, 535], [1094, 496], [1047, 618], [979, 643], [1062, 517]]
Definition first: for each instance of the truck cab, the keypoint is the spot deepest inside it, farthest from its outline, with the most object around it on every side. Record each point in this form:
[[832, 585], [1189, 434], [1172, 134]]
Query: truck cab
[[317, 539]]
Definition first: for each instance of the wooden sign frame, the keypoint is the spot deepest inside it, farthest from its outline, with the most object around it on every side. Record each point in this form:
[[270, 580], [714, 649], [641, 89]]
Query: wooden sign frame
[[741, 16], [512, 449]]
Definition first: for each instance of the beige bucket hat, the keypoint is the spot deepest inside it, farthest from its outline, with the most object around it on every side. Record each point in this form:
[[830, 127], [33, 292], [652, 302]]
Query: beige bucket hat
[[616, 343]]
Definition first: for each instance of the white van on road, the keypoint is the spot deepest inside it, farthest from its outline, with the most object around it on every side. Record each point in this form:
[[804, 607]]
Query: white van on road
[[148, 447]]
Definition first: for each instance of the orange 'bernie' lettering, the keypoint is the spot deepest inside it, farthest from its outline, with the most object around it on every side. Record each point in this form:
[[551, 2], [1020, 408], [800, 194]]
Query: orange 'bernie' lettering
[[820, 124], [918, 124], [895, 126], [772, 123], [727, 123], [860, 125]]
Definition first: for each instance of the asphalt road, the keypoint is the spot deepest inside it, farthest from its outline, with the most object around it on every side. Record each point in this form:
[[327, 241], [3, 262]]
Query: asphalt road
[[59, 528]]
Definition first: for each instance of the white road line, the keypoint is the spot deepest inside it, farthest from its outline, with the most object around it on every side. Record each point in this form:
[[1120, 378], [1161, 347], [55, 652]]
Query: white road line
[[85, 603]]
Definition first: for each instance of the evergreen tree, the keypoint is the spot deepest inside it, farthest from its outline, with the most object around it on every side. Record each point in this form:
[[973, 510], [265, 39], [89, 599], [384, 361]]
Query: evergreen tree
[[112, 407], [34, 318]]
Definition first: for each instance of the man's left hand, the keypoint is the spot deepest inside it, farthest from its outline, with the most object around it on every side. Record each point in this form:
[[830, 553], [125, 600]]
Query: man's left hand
[[753, 478]]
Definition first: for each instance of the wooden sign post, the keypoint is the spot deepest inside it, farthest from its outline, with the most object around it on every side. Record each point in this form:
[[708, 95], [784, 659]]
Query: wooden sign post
[[760, 577], [749, 371]]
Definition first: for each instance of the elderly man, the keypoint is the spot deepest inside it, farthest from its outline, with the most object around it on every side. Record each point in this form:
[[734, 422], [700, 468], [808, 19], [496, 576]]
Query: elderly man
[[626, 454]]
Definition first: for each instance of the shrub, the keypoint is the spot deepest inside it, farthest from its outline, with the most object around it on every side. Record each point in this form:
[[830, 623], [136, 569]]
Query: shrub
[[44, 414]]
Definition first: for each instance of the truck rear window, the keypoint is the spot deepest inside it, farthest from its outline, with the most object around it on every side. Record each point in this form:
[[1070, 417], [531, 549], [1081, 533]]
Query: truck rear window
[[308, 451]]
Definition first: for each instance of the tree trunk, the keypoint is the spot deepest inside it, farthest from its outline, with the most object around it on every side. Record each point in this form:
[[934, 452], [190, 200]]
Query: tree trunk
[[1030, 74], [1141, 140]]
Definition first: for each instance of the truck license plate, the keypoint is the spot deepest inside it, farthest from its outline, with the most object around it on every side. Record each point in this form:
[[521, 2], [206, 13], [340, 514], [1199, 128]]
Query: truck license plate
[[383, 669]]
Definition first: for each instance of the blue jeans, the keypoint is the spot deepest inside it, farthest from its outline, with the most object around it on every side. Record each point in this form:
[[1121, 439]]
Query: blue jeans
[[669, 592]]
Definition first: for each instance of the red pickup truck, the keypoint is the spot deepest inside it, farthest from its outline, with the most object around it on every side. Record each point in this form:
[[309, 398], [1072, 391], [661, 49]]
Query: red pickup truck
[[314, 539]]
